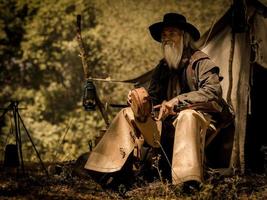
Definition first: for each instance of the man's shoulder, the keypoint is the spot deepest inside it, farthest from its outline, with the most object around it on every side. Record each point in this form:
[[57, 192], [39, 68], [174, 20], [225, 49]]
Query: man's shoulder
[[201, 59], [203, 63], [198, 55]]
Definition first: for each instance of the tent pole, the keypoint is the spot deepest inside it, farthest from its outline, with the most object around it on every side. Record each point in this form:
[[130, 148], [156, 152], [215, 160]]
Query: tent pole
[[230, 70]]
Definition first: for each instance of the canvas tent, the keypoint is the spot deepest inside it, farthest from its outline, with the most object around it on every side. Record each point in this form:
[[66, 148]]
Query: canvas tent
[[239, 55]]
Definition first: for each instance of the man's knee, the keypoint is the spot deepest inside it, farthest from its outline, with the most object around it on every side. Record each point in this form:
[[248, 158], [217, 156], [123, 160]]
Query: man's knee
[[125, 114], [126, 110], [188, 114]]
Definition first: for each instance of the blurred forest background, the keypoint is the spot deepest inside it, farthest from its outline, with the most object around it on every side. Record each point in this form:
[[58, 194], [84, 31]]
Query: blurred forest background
[[40, 66]]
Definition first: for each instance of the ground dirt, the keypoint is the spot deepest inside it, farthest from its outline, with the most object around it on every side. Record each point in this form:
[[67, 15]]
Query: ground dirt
[[65, 182]]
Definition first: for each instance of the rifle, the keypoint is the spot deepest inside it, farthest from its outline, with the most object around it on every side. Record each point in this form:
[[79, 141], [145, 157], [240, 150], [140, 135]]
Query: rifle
[[209, 107]]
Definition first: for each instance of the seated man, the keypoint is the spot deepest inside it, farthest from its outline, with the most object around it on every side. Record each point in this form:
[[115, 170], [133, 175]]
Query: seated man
[[186, 78]]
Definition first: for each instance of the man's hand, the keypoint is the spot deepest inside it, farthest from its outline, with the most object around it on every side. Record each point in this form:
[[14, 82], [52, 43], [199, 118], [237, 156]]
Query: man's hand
[[166, 108]]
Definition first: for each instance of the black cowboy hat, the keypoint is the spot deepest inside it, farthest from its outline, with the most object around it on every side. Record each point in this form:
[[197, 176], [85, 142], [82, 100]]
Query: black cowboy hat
[[173, 20]]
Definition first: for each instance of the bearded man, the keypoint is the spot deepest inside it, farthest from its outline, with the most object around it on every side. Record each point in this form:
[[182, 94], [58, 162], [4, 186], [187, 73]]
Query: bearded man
[[183, 78]]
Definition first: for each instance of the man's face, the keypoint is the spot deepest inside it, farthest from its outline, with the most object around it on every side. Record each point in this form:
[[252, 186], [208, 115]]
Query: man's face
[[172, 34], [172, 45]]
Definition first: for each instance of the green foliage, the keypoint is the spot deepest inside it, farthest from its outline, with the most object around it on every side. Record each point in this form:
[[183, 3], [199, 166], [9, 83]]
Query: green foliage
[[11, 33], [40, 64]]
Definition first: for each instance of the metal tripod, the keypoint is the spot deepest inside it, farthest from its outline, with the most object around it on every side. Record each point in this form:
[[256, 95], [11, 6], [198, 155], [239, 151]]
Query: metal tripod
[[13, 107]]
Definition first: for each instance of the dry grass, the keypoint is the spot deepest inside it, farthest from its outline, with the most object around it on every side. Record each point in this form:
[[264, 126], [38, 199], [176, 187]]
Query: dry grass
[[63, 184]]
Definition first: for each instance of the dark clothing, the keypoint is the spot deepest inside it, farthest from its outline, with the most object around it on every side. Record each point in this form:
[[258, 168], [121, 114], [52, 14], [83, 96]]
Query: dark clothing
[[196, 80], [207, 82]]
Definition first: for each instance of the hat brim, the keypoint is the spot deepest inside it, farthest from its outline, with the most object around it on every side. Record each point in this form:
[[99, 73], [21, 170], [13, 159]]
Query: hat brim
[[156, 30]]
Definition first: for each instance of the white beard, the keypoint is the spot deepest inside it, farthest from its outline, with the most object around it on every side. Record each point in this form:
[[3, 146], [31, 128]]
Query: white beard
[[172, 54]]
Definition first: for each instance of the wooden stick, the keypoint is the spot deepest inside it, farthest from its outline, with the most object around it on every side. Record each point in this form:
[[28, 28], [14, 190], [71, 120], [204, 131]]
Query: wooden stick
[[83, 52], [83, 55]]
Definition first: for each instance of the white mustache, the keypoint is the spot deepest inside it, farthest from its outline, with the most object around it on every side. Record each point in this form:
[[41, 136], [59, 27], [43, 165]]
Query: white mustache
[[168, 42]]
